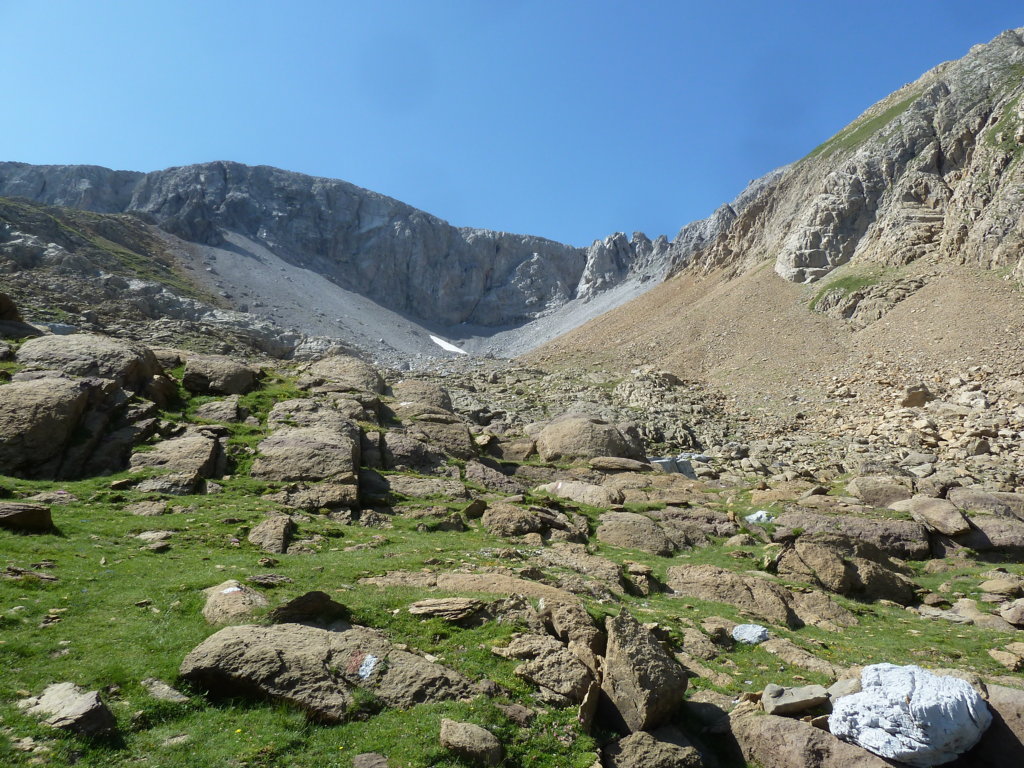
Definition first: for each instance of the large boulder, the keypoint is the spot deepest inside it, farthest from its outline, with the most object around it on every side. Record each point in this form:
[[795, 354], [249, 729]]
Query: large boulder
[[881, 490], [783, 742], [218, 375], [131, 365], [416, 391], [845, 566], [938, 515], [911, 715], [643, 684], [317, 670], [582, 493], [904, 539], [308, 453], [197, 453], [632, 531], [757, 596], [341, 373], [25, 516], [231, 601], [581, 437], [50, 426]]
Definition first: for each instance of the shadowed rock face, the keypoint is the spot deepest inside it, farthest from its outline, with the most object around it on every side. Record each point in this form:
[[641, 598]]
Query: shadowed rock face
[[388, 251]]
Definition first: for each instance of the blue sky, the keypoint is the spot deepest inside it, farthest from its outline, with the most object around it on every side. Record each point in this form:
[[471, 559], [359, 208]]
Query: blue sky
[[569, 120]]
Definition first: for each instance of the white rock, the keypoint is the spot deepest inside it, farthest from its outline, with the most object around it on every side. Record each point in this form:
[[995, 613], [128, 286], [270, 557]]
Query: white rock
[[751, 634], [909, 714], [759, 517]]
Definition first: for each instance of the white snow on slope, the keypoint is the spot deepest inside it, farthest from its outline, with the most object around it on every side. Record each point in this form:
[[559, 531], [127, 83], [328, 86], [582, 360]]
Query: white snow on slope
[[445, 345]]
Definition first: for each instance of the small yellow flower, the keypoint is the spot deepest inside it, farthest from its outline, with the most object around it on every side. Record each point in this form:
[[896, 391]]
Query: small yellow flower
[[238, 730]]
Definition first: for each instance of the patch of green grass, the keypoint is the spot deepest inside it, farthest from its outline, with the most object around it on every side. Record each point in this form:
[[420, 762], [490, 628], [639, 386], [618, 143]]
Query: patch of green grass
[[1001, 135], [848, 281], [860, 130]]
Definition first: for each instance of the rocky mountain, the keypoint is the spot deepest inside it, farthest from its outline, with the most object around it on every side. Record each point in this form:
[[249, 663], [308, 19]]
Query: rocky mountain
[[931, 172], [400, 257]]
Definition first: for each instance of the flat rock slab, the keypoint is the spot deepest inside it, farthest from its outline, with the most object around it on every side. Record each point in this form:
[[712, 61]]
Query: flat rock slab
[[780, 700], [939, 515], [582, 493], [632, 531], [68, 707], [317, 669], [663, 748]]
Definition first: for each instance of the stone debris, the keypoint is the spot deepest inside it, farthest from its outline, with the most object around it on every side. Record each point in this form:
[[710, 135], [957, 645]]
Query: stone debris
[[66, 706]]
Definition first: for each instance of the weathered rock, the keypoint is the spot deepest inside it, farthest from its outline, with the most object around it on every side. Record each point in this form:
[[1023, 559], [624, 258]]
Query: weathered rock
[[24, 516], [195, 453], [158, 689], [916, 396], [897, 538], [971, 499], [308, 454], [662, 748], [218, 375], [273, 534], [992, 533], [370, 760], [453, 609], [632, 531], [68, 707], [619, 464], [749, 634], [227, 410], [584, 493], [779, 700], [939, 515], [549, 664], [231, 601], [492, 479], [643, 684], [422, 487], [405, 453], [845, 566], [316, 669], [880, 490], [1013, 612], [581, 437], [341, 373], [783, 742], [471, 742], [911, 715], [131, 365], [417, 391]]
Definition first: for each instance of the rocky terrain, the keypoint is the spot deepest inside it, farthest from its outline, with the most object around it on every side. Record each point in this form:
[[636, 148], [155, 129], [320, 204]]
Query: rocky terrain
[[303, 563], [769, 513]]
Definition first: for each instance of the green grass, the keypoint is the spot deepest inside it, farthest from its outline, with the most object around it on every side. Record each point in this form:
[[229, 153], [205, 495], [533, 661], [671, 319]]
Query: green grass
[[859, 131], [847, 281]]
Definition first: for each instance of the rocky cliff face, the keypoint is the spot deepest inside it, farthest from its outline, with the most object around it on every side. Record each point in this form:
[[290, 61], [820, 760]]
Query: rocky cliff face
[[931, 172], [394, 254]]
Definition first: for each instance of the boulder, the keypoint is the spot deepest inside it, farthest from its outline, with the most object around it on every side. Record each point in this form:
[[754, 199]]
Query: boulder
[[195, 453], [453, 609], [341, 373], [273, 534], [406, 453], [550, 665], [308, 453], [996, 534], [583, 493], [37, 420], [68, 707], [471, 743], [904, 539], [416, 391], [131, 365], [750, 634], [632, 531], [314, 607], [911, 715], [227, 411], [581, 437], [370, 760], [662, 748], [938, 515], [880, 490], [845, 566], [643, 684], [783, 742], [974, 500], [24, 516], [317, 669], [218, 375], [756, 596], [230, 601]]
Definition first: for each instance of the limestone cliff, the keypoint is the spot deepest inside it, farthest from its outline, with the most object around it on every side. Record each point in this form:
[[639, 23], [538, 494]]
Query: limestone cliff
[[390, 252], [933, 171]]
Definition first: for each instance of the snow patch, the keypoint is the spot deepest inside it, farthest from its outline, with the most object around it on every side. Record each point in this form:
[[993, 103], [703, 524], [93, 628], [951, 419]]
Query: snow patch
[[447, 345]]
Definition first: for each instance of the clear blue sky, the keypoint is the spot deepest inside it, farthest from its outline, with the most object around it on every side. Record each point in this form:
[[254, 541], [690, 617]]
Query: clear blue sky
[[569, 120]]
